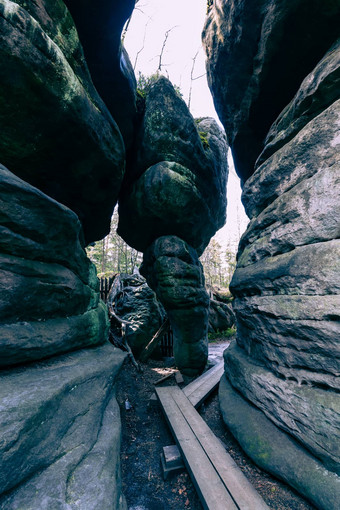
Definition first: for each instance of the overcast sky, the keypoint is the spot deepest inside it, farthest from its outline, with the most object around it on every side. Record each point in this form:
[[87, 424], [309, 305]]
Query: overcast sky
[[146, 33]]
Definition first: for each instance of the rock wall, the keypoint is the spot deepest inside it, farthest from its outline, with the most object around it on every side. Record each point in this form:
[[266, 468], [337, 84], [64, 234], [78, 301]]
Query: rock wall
[[257, 55], [57, 134], [49, 300], [286, 361], [59, 419]]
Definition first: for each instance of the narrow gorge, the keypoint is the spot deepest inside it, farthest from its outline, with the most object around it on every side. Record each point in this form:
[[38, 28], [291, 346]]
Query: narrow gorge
[[77, 138]]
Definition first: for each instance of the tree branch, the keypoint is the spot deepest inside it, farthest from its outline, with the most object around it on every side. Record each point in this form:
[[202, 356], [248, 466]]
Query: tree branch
[[166, 36]]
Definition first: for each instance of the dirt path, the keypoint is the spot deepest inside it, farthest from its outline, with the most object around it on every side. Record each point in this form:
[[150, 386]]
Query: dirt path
[[145, 432]]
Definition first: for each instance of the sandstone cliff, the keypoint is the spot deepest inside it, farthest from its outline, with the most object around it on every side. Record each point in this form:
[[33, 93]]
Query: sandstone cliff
[[274, 73]]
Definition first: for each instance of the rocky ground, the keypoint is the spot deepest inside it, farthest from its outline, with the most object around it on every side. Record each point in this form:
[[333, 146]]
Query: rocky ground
[[145, 432]]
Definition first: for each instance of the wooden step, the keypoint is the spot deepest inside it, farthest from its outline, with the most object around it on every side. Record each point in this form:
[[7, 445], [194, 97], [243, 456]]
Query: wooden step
[[219, 482], [200, 388]]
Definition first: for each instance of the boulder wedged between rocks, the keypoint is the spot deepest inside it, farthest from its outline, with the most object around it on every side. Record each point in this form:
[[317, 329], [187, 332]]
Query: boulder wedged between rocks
[[176, 182], [135, 303]]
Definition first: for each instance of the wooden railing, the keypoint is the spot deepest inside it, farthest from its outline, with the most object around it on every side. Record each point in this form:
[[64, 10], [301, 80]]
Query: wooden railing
[[104, 288], [167, 343]]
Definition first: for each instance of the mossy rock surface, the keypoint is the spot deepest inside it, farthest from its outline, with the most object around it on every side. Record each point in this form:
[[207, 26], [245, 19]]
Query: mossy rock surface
[[276, 452], [174, 272], [49, 291], [176, 182], [57, 134]]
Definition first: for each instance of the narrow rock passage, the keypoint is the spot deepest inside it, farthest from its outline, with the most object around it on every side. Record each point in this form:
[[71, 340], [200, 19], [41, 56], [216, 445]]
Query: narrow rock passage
[[145, 432]]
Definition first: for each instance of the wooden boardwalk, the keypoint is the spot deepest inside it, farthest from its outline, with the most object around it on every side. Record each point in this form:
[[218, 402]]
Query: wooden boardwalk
[[219, 482], [200, 388]]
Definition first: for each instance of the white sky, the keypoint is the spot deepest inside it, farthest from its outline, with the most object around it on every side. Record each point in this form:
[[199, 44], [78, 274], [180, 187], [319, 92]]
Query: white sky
[[150, 21]]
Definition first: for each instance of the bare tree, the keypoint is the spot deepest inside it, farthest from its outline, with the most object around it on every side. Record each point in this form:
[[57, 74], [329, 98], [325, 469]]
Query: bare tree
[[143, 44], [192, 79], [126, 26], [160, 56]]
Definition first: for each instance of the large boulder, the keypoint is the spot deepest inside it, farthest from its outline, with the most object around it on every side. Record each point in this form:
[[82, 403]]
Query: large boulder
[[61, 433], [176, 184], [258, 54], [49, 290], [221, 316], [174, 272], [57, 134], [133, 301]]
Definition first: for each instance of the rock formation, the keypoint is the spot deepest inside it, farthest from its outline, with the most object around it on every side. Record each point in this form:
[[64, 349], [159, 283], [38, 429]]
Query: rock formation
[[258, 53], [135, 303], [71, 143], [277, 92], [172, 203], [43, 70], [176, 184], [176, 275], [221, 316], [99, 25], [59, 420], [49, 300]]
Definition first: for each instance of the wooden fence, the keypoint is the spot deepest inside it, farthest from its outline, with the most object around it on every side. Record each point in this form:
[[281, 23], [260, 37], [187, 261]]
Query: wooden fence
[[167, 343], [104, 288]]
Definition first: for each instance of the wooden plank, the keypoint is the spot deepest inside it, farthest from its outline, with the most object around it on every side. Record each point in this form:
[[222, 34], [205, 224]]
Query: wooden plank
[[210, 488], [196, 383], [148, 350], [200, 388], [241, 490]]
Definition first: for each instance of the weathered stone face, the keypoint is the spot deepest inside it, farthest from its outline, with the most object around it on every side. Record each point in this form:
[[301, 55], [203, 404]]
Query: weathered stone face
[[176, 184], [309, 414], [135, 303], [286, 285], [58, 417], [318, 90], [258, 54], [57, 134], [281, 455], [174, 272], [221, 316], [60, 433], [49, 300], [99, 25]]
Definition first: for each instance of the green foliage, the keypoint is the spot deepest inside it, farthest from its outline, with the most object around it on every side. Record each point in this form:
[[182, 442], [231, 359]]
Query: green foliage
[[204, 139], [228, 333], [209, 5], [144, 84], [218, 265], [112, 255]]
